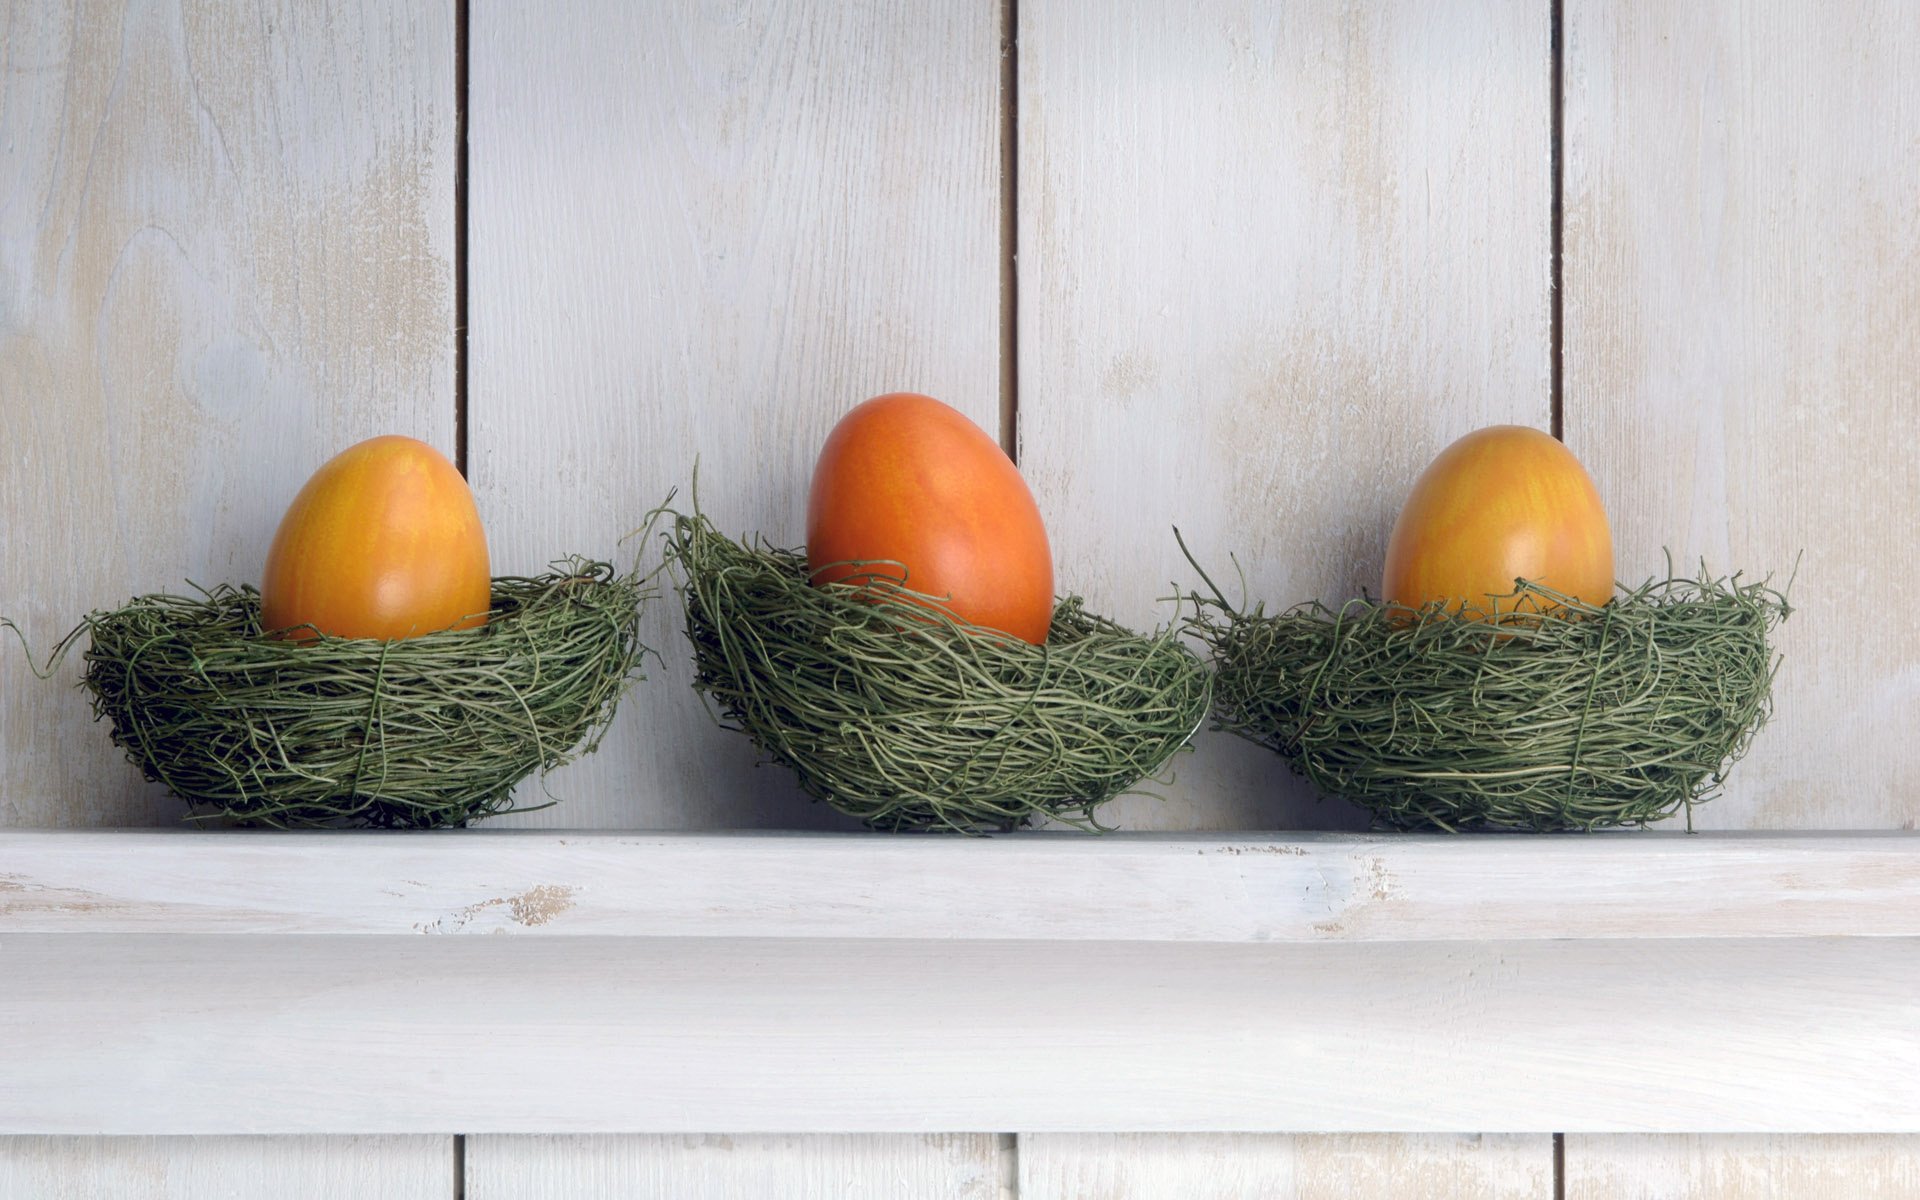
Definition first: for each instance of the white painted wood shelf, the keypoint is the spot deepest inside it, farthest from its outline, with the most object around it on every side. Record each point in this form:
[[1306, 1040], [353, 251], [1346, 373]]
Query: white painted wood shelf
[[165, 982]]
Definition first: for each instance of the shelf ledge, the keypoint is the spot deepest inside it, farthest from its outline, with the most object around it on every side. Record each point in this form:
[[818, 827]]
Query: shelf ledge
[[1046, 887], [158, 982]]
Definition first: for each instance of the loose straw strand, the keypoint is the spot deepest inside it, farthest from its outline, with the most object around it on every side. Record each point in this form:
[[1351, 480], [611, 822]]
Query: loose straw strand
[[1559, 715], [892, 710]]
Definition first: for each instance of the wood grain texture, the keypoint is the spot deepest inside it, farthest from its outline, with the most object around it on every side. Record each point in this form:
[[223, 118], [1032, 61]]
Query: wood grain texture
[[1225, 1166], [744, 1167], [226, 252], [1272, 258], [1743, 348], [1742, 1167], [1125, 889], [116, 1033], [230, 1168], [703, 232]]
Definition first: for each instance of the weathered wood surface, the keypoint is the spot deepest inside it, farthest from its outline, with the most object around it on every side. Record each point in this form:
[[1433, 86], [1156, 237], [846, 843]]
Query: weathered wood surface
[[1040, 887], [226, 252], [1271, 259], [703, 234], [1743, 350], [744, 1167], [1741, 1167], [231, 1168], [604, 1035], [1228, 1166], [1310, 242], [1742, 345]]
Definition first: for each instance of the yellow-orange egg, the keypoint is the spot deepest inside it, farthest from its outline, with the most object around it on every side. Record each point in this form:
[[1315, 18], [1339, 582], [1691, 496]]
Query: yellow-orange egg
[[383, 542], [1502, 503]]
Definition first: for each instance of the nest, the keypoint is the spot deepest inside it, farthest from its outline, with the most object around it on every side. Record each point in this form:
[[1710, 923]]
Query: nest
[[419, 732], [892, 710], [1557, 715]]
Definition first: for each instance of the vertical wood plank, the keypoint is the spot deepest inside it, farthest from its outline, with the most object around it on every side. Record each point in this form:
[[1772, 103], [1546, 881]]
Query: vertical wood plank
[[1117, 1166], [1742, 344], [703, 232], [226, 252], [1271, 259], [1743, 347], [233, 1168], [1742, 1167], [718, 1167]]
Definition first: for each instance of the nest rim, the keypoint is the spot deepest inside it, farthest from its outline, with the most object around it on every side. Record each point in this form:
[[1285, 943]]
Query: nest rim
[[247, 726], [1353, 755], [850, 618]]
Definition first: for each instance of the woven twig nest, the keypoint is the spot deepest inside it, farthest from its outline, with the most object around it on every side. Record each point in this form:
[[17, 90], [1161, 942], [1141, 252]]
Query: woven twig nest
[[1574, 717], [892, 710], [420, 732]]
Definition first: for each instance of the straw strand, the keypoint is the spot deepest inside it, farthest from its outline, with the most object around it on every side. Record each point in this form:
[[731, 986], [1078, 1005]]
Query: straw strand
[[419, 732], [892, 710], [1574, 717]]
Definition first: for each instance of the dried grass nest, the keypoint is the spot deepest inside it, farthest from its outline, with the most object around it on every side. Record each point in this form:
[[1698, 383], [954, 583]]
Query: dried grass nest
[[1574, 717], [419, 732], [894, 711]]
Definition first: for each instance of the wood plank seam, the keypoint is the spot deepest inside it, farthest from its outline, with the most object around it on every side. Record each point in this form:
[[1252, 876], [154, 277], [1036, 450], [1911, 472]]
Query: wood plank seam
[[1556, 320], [1010, 229], [462, 19]]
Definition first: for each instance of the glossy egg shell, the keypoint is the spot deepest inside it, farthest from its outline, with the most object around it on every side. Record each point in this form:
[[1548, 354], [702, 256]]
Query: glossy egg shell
[[383, 542], [1503, 503], [904, 478]]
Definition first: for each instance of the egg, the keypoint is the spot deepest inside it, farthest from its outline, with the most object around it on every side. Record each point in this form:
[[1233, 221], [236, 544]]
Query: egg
[[384, 541], [1503, 503], [908, 489]]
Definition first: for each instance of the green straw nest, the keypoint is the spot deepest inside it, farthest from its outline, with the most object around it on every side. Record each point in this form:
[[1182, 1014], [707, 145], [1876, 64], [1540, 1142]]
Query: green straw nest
[[420, 732], [892, 710], [1571, 718]]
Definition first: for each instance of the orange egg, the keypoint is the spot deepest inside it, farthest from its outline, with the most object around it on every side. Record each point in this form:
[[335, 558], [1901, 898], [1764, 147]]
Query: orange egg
[[383, 542], [906, 479], [1500, 504]]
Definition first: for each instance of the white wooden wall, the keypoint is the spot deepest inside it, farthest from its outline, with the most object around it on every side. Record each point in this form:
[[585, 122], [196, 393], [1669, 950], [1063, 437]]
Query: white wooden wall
[[1743, 350], [1265, 260], [1271, 257], [726, 225], [226, 250]]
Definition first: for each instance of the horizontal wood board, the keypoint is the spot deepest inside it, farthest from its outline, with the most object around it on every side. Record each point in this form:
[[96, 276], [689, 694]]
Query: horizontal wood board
[[1138, 888], [603, 1035]]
